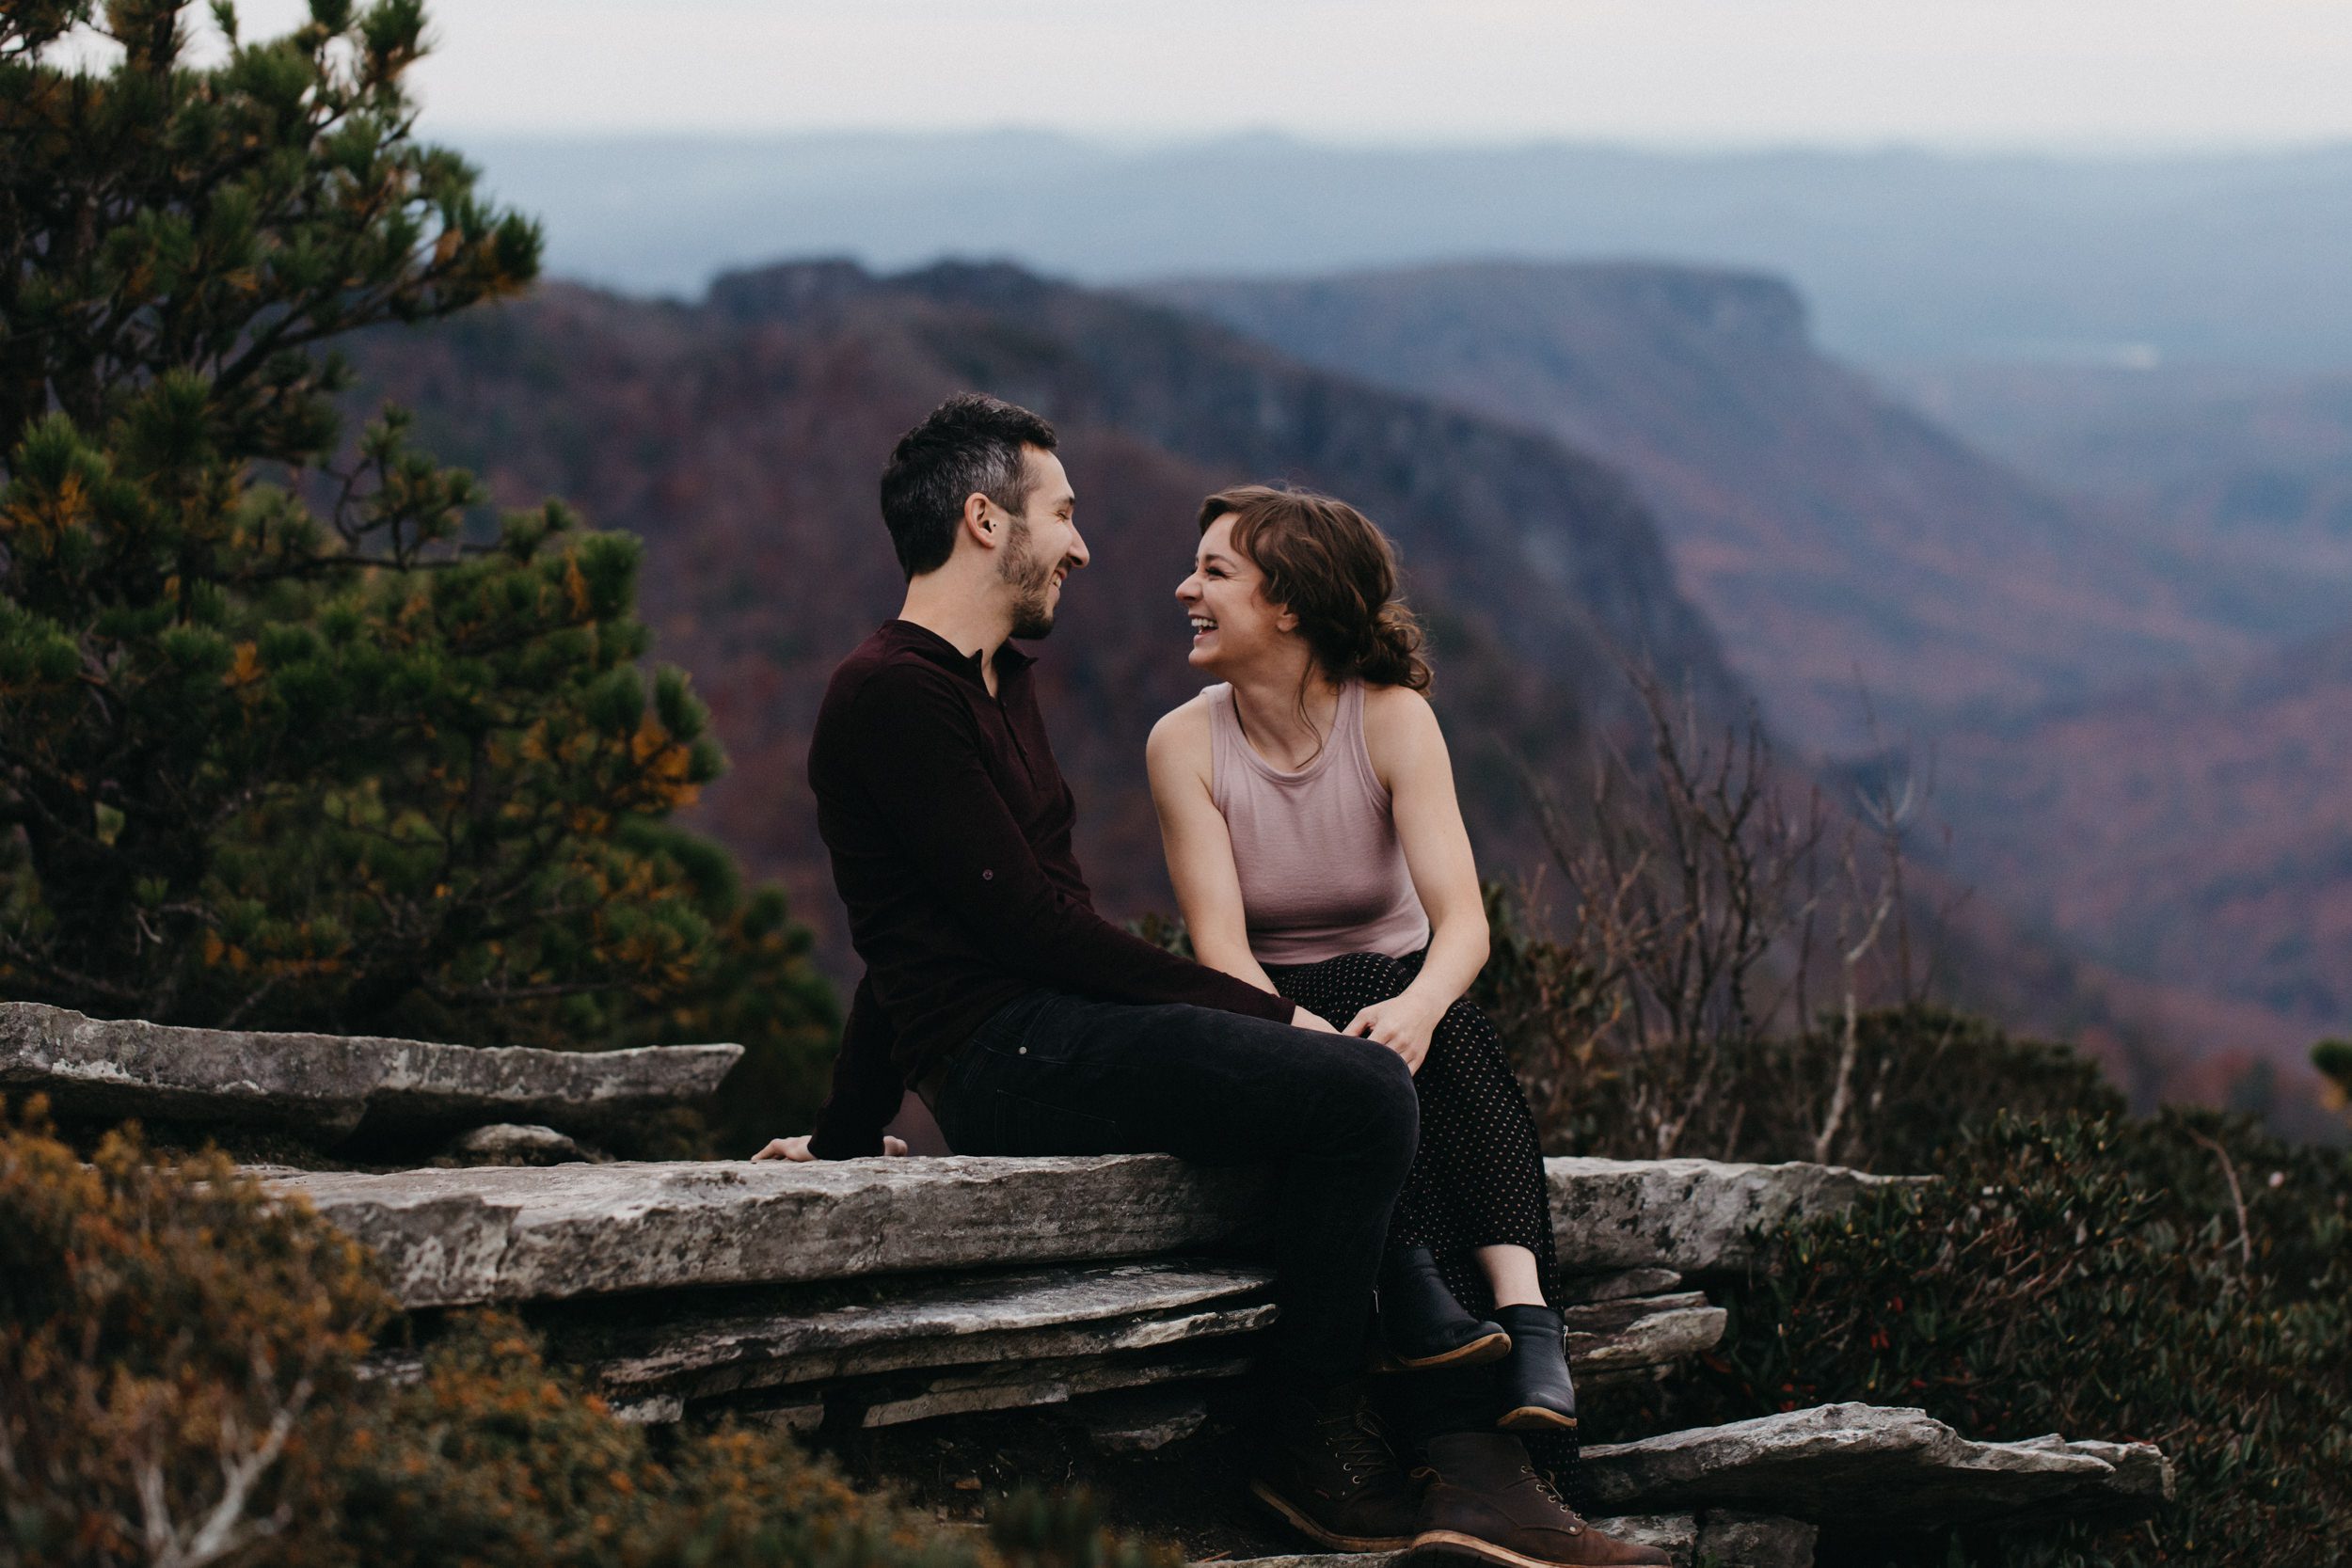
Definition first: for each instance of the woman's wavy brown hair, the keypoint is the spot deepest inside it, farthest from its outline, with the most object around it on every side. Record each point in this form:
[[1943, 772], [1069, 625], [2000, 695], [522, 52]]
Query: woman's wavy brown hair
[[1326, 563]]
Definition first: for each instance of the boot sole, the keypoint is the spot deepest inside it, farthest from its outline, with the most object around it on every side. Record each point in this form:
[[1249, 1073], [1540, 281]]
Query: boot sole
[[1316, 1532], [1534, 1417], [1478, 1353], [1454, 1546]]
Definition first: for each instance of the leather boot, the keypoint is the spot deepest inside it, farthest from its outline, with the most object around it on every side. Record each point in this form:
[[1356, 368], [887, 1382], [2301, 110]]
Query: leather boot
[[1485, 1505], [1422, 1325], [1328, 1469], [1537, 1394]]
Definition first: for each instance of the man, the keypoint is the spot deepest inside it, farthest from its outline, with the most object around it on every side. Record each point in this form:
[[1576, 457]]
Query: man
[[1028, 1023]]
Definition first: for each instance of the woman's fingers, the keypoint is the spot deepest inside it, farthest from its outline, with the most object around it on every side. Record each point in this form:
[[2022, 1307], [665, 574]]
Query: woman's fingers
[[785, 1149], [893, 1145]]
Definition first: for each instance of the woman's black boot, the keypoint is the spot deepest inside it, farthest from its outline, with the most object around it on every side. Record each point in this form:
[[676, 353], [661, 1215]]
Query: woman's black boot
[[1422, 1325], [1537, 1395]]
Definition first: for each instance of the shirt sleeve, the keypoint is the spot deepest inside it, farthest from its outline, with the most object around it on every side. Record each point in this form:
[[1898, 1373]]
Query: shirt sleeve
[[925, 772], [866, 1085]]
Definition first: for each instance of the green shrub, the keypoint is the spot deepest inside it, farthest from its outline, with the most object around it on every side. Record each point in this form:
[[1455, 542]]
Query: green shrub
[[2180, 1280]]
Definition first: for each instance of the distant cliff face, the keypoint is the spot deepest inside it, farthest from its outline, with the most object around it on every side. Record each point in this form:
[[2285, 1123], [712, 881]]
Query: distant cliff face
[[742, 438], [1839, 542]]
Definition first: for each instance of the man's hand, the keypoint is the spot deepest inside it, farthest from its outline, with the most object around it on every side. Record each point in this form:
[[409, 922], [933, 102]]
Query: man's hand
[[1402, 1023], [1302, 1019], [797, 1149]]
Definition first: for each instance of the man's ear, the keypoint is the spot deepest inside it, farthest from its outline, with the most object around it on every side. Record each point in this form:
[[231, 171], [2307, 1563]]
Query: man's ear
[[980, 521]]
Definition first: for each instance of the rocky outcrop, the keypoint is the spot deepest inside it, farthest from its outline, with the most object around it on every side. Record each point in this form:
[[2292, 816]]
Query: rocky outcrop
[[454, 1236], [324, 1088], [1865, 1467]]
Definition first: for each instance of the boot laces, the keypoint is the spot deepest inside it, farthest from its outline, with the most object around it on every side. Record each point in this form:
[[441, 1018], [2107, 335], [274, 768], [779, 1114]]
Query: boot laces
[[1355, 1442]]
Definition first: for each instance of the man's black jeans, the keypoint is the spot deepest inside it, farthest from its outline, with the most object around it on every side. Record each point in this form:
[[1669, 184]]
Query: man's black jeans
[[1051, 1073]]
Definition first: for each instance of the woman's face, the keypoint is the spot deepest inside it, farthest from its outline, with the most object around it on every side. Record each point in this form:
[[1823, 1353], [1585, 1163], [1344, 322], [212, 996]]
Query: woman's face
[[1233, 626]]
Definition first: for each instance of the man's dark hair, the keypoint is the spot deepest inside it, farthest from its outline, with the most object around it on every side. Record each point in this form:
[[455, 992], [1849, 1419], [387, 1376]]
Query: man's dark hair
[[972, 442]]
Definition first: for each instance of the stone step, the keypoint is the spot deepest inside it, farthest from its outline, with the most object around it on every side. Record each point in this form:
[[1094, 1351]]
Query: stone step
[[716, 1344], [1717, 1538], [324, 1088], [799, 1335], [1616, 1285], [1618, 1341], [1863, 1467], [451, 1237], [1692, 1215]]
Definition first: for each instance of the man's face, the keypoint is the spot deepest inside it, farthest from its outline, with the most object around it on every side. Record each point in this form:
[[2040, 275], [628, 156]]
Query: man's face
[[1042, 545]]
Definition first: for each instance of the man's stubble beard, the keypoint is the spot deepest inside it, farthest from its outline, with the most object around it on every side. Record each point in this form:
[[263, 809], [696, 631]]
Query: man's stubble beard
[[1032, 582]]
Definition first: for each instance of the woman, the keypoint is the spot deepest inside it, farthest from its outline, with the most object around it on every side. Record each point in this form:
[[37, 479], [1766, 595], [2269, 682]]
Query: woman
[[1308, 810]]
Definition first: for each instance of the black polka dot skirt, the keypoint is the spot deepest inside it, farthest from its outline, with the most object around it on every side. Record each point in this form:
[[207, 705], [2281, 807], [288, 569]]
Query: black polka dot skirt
[[1478, 1177]]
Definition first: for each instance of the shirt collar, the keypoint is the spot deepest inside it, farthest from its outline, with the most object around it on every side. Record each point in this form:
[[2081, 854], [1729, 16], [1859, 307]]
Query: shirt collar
[[1011, 657]]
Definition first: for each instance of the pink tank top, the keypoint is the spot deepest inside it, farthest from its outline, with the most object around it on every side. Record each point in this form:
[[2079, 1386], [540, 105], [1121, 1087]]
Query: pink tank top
[[1321, 872]]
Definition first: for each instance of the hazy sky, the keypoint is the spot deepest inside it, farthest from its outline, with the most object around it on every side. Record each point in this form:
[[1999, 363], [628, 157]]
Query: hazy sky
[[1973, 72]]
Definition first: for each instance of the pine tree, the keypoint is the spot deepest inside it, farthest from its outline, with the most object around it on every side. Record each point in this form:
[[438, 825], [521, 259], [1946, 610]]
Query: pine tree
[[293, 733]]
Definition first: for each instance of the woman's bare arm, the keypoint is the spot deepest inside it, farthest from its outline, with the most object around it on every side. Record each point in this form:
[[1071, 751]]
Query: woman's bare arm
[[1408, 754], [1198, 847]]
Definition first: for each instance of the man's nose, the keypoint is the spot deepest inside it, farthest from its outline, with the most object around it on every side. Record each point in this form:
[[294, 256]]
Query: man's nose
[[1077, 555]]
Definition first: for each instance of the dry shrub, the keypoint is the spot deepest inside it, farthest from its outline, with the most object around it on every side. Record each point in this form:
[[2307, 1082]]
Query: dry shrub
[[176, 1354], [180, 1385]]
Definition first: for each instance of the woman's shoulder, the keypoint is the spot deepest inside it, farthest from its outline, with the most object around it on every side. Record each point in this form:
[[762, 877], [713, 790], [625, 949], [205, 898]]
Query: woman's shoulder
[[1395, 707], [1398, 722], [1183, 731]]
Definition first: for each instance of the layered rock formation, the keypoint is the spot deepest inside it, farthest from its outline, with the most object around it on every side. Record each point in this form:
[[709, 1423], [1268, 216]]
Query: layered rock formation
[[873, 1294]]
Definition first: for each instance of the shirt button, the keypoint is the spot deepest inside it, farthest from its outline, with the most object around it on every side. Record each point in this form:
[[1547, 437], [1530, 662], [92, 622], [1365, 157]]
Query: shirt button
[[1025, 1050], [988, 876]]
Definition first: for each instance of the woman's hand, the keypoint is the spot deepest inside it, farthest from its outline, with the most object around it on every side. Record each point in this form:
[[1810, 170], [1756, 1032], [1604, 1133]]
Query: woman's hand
[[1403, 1024], [797, 1149]]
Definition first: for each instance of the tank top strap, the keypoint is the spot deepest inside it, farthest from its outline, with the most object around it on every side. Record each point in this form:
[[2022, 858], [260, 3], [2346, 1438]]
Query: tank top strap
[[1347, 733], [1224, 735]]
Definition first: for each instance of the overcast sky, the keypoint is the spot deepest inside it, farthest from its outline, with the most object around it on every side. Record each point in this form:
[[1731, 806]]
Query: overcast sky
[[2037, 73]]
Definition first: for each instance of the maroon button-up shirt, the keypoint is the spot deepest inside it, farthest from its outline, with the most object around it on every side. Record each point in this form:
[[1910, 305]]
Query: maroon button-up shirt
[[948, 824]]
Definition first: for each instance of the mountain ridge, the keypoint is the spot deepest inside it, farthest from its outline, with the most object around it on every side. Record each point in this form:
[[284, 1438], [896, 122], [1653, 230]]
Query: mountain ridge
[[1840, 541]]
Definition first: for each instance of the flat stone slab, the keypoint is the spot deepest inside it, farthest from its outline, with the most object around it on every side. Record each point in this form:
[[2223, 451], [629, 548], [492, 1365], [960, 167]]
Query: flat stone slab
[[807, 1334], [1027, 1385], [457, 1236], [323, 1087], [1717, 1538], [1610, 1341], [1692, 1215], [497, 1233], [1617, 1285], [1863, 1467]]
